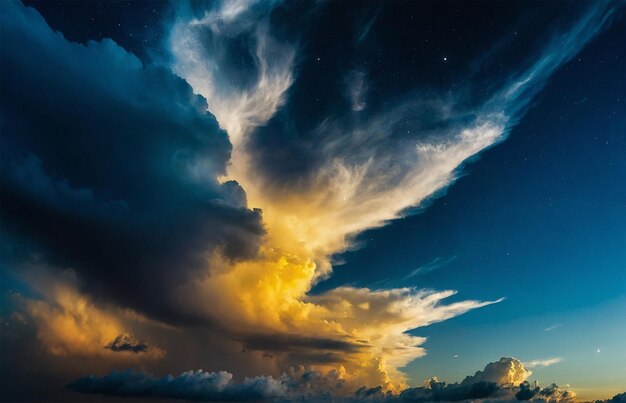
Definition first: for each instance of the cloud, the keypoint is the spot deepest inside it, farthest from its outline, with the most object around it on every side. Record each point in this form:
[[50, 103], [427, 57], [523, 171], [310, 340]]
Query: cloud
[[551, 393], [435, 264], [198, 43], [70, 324], [555, 393], [365, 25], [124, 342], [125, 194], [322, 180], [551, 328], [152, 195], [525, 392], [366, 312], [110, 167], [312, 350], [620, 397], [308, 384], [506, 371], [196, 385], [502, 380], [440, 391], [296, 383], [356, 89], [368, 328], [356, 174], [543, 363]]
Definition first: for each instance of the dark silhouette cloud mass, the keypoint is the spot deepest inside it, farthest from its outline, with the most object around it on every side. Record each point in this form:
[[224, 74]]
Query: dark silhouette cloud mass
[[125, 191], [124, 342], [193, 385]]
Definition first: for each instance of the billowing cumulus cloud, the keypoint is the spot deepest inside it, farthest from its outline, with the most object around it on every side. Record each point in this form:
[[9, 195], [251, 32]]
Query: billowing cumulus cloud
[[506, 371], [502, 380]]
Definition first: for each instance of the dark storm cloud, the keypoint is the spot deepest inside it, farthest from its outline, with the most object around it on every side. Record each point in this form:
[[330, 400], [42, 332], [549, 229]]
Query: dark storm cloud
[[304, 349], [620, 397], [110, 166], [435, 392], [124, 342], [525, 392], [283, 342], [550, 393], [193, 385]]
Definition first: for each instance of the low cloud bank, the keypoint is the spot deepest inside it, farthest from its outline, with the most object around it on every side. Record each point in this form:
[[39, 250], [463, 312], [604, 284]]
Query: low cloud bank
[[197, 385], [503, 380]]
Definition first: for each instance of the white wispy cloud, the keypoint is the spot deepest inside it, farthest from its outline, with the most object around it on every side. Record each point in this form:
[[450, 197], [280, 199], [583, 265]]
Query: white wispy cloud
[[237, 107], [551, 328], [356, 89], [433, 265], [543, 363]]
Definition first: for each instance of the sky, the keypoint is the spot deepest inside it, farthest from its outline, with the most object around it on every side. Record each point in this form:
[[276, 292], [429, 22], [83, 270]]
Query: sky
[[280, 201]]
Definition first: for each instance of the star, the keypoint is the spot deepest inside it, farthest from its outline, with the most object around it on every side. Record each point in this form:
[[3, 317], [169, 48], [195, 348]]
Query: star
[[445, 59]]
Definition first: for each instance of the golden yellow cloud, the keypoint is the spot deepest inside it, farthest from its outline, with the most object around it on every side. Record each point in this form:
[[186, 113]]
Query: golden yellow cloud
[[69, 323], [309, 223]]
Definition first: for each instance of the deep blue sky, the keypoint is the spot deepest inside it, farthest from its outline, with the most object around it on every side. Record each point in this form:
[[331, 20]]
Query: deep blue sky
[[539, 219]]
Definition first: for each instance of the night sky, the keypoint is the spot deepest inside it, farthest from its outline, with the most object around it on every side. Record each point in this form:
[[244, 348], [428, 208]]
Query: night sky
[[281, 201]]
